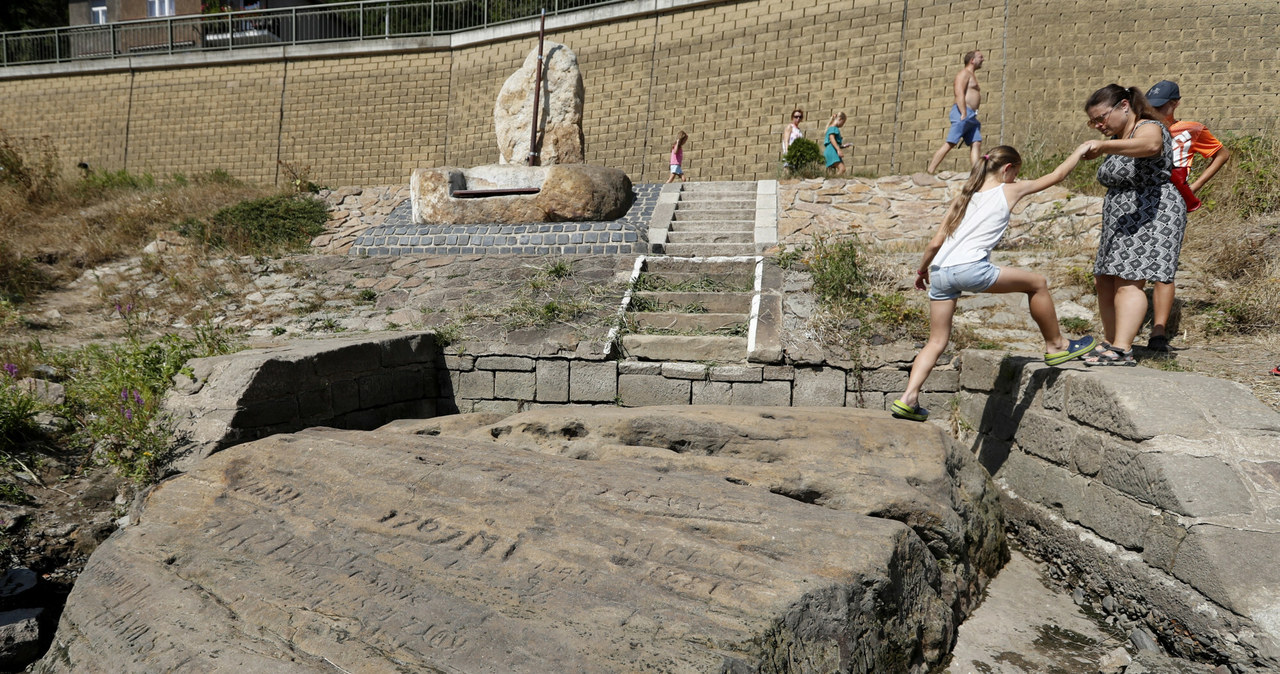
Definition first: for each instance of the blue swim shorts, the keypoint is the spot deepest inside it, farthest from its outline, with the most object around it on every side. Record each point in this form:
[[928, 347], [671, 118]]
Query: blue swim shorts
[[969, 129], [946, 283]]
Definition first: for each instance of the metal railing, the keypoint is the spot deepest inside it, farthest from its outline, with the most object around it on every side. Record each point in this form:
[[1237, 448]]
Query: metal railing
[[367, 20]]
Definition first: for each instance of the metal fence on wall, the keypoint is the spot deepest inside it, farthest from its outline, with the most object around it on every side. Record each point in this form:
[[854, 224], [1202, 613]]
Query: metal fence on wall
[[367, 20]]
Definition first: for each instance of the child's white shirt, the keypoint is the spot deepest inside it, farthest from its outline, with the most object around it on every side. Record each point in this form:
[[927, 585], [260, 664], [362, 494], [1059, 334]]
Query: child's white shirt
[[981, 228]]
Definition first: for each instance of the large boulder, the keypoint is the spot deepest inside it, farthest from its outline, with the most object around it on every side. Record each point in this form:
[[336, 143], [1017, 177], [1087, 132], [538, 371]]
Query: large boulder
[[560, 109], [659, 539], [573, 192]]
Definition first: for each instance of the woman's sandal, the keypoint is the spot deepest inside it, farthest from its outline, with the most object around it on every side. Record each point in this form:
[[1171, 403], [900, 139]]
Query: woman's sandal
[[1106, 354], [902, 410]]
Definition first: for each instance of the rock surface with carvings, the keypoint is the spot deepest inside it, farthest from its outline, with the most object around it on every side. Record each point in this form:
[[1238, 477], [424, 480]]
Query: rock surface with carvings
[[605, 539], [560, 109]]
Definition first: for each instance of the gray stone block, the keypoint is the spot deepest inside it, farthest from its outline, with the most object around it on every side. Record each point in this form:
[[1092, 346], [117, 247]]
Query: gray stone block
[[386, 387], [869, 400], [1160, 543], [593, 382], [1024, 474], [499, 406], [510, 385], [460, 363], [410, 350], [1194, 486], [639, 367], [348, 358], [889, 379], [1233, 567], [642, 390], [1065, 492], [818, 387], [737, 373], [711, 392], [982, 370], [778, 372], [941, 381], [1048, 437], [315, 404], [685, 371], [476, 385], [281, 411], [345, 395], [773, 393], [1088, 451], [551, 381], [1116, 516], [514, 363], [1196, 406]]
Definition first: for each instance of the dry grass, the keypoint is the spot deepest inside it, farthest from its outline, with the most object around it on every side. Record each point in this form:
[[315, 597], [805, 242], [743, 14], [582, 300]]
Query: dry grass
[[52, 228]]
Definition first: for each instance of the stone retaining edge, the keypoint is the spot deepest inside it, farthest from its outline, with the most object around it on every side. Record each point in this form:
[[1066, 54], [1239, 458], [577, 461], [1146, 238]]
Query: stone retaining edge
[[1158, 489]]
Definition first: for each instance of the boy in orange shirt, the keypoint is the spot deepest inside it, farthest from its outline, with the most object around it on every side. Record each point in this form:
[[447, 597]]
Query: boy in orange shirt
[[1189, 139]]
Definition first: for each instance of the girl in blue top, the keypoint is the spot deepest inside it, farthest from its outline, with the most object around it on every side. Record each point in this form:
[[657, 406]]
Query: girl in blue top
[[958, 259], [834, 143]]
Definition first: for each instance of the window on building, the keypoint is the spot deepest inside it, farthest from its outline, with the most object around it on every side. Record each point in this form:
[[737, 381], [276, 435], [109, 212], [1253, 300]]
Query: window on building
[[159, 8], [98, 12]]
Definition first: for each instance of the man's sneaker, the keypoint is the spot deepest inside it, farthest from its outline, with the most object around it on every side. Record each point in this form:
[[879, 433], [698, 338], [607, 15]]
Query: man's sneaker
[[1276, 370], [1158, 343]]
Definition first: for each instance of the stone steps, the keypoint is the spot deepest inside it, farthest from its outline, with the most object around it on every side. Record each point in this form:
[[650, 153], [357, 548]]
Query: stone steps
[[705, 237], [713, 226], [709, 249], [686, 214], [682, 322], [677, 304]]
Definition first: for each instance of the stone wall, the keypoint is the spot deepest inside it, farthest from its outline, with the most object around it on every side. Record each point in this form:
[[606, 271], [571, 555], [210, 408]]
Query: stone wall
[[369, 113], [908, 210], [1157, 493]]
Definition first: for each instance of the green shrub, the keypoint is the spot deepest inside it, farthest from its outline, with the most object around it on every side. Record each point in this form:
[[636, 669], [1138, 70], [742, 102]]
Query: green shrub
[[1249, 184], [17, 408], [803, 158], [836, 271], [261, 226]]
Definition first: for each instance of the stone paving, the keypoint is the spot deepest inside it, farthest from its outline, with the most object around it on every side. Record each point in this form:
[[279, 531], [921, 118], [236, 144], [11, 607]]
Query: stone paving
[[397, 234]]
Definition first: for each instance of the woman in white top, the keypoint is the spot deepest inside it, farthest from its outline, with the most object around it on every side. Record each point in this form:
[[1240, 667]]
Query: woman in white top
[[793, 129], [958, 259]]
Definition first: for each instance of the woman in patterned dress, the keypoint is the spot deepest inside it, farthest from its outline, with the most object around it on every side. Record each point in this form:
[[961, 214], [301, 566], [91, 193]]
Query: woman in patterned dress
[[1143, 216]]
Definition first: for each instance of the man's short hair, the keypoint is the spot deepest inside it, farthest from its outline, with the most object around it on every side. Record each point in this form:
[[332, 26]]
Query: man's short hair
[[968, 56]]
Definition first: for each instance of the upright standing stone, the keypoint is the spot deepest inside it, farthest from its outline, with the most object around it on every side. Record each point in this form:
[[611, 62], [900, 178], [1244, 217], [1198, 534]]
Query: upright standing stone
[[560, 111]]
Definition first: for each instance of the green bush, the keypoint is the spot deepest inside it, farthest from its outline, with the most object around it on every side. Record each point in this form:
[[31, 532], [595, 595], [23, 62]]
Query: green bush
[[1251, 179], [261, 226], [17, 408], [19, 276], [803, 158], [836, 271]]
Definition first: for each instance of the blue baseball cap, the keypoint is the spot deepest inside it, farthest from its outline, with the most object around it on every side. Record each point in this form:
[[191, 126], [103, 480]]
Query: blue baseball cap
[[1163, 92]]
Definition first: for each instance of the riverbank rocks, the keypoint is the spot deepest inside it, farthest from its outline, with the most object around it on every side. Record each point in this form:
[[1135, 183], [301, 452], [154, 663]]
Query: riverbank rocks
[[603, 539]]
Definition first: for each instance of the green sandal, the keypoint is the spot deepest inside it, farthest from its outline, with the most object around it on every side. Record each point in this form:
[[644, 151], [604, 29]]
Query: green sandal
[[1075, 349], [902, 410]]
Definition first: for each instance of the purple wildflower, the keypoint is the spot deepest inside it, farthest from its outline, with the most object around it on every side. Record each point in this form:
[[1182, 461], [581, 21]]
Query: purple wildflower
[[137, 397], [124, 394], [128, 414], [11, 370]]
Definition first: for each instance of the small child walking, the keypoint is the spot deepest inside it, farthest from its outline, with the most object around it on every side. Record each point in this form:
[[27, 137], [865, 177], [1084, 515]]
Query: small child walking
[[677, 158], [958, 259]]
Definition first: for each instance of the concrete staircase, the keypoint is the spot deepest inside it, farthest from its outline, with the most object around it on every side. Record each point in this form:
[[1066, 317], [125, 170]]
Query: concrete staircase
[[716, 309], [715, 219]]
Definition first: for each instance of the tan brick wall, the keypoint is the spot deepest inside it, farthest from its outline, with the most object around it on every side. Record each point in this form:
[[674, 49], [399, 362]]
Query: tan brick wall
[[85, 116], [726, 73]]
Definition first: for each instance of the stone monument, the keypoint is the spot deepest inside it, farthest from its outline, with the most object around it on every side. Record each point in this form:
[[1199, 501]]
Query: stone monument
[[548, 184]]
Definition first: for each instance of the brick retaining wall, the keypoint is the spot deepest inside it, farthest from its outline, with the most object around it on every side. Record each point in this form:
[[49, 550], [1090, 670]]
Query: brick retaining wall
[[727, 72]]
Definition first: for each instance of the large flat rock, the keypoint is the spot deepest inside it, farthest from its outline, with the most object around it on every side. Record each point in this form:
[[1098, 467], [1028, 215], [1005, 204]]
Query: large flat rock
[[490, 550]]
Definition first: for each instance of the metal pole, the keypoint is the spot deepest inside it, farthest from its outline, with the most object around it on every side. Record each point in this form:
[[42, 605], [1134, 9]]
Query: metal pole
[[57, 47], [537, 89], [386, 20]]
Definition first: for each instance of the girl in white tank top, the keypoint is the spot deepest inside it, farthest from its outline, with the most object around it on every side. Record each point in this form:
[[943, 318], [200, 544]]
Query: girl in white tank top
[[958, 259]]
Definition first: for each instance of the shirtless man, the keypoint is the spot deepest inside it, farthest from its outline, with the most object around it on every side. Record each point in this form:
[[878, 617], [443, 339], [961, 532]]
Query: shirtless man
[[964, 113]]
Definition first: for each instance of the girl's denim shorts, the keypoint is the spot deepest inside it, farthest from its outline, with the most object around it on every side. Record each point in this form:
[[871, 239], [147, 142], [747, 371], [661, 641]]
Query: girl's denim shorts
[[946, 283]]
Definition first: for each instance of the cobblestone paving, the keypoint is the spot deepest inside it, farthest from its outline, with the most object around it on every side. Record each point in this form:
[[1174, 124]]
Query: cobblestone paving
[[399, 235]]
